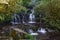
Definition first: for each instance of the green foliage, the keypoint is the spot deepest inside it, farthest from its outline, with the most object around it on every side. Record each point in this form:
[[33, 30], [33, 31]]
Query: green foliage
[[26, 3], [12, 6], [51, 12], [7, 8], [16, 6], [4, 18]]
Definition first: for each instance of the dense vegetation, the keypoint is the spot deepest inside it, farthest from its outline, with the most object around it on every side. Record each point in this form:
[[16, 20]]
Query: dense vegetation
[[50, 9], [9, 7], [47, 15]]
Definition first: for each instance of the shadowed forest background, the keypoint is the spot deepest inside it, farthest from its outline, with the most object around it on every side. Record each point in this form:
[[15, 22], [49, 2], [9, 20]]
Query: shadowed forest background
[[30, 19]]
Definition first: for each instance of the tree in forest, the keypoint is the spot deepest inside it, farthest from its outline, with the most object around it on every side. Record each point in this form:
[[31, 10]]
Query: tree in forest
[[8, 7], [51, 12], [13, 5]]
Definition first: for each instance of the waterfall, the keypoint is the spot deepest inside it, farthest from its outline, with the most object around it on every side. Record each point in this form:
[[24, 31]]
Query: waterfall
[[15, 19], [30, 31], [42, 30], [32, 17]]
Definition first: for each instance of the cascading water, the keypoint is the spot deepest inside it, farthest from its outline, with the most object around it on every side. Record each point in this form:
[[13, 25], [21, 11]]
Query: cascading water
[[42, 30], [32, 17], [15, 19], [32, 20]]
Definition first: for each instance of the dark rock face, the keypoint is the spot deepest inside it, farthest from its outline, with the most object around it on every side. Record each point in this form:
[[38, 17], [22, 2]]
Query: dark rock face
[[54, 36], [49, 36], [4, 24], [26, 18]]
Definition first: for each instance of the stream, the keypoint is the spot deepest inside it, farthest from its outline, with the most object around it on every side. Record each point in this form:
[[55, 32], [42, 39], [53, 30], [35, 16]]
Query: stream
[[25, 23]]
